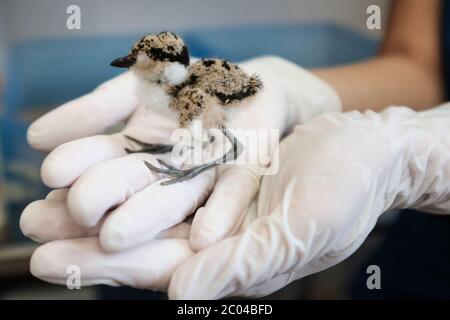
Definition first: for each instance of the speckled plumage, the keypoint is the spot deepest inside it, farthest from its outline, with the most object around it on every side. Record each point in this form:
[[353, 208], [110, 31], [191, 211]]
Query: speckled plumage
[[211, 86], [203, 90], [206, 90], [164, 46]]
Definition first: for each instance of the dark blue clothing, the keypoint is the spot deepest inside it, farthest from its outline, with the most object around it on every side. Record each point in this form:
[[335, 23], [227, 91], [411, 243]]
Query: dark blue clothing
[[414, 259]]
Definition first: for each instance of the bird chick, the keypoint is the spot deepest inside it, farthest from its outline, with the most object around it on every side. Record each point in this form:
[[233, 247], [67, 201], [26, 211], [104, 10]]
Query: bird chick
[[206, 91]]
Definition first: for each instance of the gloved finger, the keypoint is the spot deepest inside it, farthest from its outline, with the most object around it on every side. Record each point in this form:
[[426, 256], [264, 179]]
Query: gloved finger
[[235, 265], [222, 214], [49, 220], [88, 115], [69, 160], [108, 185], [57, 194], [152, 210], [178, 231], [148, 266]]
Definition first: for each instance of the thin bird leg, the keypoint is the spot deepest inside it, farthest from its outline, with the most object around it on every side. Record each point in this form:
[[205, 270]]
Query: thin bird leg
[[237, 145], [165, 164], [153, 148], [173, 172], [191, 173], [211, 140], [181, 175]]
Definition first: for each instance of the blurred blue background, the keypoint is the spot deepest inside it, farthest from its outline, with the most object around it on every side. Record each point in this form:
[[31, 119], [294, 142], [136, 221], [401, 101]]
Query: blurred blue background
[[43, 64]]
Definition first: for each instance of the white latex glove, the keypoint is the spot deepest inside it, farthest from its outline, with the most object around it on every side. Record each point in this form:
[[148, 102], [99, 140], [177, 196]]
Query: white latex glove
[[102, 176], [337, 175], [291, 95], [104, 179], [148, 266]]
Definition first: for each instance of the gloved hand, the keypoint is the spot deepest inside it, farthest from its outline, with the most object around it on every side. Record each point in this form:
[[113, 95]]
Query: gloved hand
[[290, 96], [102, 176], [337, 175], [103, 179], [148, 266]]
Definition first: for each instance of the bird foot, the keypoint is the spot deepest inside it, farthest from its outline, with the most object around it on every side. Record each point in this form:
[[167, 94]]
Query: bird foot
[[152, 148], [181, 175], [178, 174]]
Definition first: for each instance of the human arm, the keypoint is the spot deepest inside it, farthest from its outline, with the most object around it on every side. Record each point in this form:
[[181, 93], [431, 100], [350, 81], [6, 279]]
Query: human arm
[[406, 71]]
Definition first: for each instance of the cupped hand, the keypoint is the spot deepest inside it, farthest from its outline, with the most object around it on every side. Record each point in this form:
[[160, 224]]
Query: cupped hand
[[108, 188], [337, 175], [116, 192], [67, 244]]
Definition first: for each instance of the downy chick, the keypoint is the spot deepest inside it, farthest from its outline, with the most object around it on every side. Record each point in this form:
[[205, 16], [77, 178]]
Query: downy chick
[[206, 90]]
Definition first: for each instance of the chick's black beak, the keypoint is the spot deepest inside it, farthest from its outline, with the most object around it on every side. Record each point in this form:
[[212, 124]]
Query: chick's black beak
[[124, 62]]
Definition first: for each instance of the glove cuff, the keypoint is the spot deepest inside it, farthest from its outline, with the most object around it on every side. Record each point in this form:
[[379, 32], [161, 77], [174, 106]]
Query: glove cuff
[[418, 165], [428, 160]]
